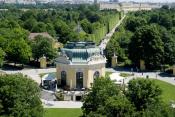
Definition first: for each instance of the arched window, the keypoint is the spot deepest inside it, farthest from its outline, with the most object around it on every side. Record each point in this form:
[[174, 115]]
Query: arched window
[[79, 80], [96, 75], [63, 78]]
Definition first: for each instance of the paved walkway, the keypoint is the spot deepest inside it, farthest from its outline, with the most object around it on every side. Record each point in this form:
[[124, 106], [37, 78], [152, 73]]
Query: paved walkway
[[108, 36], [153, 75]]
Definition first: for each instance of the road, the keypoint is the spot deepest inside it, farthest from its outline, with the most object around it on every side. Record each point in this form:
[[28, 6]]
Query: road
[[32, 73], [108, 36], [153, 75]]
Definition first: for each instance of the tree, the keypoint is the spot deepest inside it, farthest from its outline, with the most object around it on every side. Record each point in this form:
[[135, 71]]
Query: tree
[[64, 32], [2, 55], [143, 93], [159, 110], [146, 44], [166, 21], [102, 89], [30, 23], [43, 46], [18, 51], [86, 25], [39, 27], [118, 44], [19, 97], [134, 22], [119, 106], [169, 46]]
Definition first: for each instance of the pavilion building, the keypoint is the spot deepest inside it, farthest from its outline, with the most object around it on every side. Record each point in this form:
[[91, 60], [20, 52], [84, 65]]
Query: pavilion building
[[79, 64]]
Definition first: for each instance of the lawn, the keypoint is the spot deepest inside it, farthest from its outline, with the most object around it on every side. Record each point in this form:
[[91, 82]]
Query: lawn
[[168, 91], [63, 112]]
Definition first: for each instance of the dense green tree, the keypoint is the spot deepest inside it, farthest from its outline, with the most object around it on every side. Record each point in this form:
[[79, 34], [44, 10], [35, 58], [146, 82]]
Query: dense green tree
[[146, 44], [30, 23], [43, 46], [2, 56], [19, 97], [86, 26], [3, 42], [102, 89], [159, 110], [39, 27], [18, 51], [143, 93], [119, 106], [166, 21], [134, 22], [50, 29], [169, 46]]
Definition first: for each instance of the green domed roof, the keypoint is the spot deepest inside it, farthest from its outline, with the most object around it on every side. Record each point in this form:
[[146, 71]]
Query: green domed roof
[[80, 51]]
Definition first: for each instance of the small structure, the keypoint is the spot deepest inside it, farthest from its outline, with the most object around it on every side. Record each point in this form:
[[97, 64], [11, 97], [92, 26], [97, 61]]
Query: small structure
[[117, 78], [43, 62], [73, 95], [48, 81], [114, 61], [55, 43], [78, 64], [44, 34], [142, 65], [173, 69]]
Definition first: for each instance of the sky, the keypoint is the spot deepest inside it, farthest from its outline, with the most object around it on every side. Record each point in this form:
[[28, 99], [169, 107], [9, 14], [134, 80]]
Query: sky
[[149, 0]]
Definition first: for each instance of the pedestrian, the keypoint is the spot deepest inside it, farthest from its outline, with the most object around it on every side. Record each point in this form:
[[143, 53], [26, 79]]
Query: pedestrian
[[142, 73]]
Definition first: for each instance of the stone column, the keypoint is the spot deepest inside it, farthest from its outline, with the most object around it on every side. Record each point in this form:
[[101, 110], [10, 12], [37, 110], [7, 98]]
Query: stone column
[[173, 69], [58, 74], [71, 78], [43, 62], [114, 61], [142, 65], [103, 70]]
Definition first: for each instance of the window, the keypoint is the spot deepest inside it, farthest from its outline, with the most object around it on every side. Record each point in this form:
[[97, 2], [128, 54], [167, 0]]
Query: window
[[96, 75], [63, 78], [79, 80]]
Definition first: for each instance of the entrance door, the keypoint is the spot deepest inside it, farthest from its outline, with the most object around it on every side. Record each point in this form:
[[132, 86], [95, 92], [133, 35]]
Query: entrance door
[[79, 80], [63, 78]]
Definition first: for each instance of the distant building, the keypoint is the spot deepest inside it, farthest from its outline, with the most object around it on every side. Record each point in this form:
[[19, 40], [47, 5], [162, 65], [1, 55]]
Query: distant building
[[10, 1], [79, 64], [114, 1], [19, 2], [128, 6]]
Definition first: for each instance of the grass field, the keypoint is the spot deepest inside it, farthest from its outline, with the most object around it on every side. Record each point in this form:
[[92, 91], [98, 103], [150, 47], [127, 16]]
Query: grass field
[[168, 91], [62, 112]]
